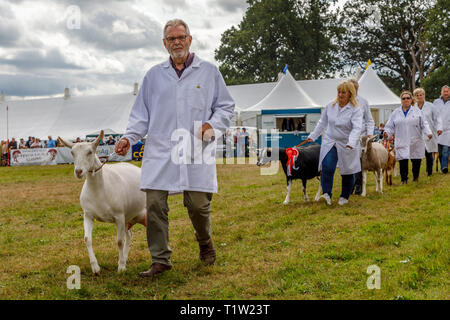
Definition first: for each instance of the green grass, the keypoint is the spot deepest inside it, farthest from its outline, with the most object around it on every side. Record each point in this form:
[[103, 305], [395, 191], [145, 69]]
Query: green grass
[[265, 250]]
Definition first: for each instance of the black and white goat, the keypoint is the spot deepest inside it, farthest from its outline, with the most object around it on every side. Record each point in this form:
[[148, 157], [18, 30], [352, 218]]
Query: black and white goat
[[304, 168]]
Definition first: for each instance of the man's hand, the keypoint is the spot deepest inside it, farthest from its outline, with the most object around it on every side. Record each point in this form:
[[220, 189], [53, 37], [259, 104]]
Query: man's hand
[[122, 147], [439, 132], [206, 132], [349, 147]]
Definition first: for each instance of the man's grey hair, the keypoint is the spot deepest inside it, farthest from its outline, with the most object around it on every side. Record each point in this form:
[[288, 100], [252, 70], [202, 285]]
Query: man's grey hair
[[174, 23], [444, 87]]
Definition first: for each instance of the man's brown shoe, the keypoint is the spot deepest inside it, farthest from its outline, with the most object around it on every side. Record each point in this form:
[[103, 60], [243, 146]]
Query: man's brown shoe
[[154, 270], [207, 253]]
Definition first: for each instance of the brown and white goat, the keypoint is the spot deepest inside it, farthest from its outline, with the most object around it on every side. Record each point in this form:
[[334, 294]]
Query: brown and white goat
[[373, 158], [390, 165]]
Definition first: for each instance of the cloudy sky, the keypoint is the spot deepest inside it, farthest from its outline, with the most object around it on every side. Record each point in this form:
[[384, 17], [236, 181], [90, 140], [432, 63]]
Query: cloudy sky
[[101, 46]]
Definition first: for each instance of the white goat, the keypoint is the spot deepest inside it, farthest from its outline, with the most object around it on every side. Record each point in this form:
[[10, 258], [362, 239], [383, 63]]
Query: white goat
[[374, 158], [111, 193]]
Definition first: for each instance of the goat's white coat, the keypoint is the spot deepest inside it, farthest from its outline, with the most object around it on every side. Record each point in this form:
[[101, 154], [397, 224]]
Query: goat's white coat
[[111, 194]]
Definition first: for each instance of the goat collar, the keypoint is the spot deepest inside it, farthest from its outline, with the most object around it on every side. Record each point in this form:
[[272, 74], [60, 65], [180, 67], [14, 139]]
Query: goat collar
[[99, 168]]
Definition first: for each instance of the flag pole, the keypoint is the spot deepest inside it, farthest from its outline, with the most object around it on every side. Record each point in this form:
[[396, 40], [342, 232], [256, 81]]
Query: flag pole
[[7, 127]]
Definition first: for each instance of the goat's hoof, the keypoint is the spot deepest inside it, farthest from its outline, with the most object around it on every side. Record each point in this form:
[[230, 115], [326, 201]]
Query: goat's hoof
[[286, 202], [96, 270], [121, 269]]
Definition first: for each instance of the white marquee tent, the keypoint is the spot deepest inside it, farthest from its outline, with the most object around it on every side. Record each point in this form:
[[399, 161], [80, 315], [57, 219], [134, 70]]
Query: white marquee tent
[[69, 118], [381, 99], [287, 94]]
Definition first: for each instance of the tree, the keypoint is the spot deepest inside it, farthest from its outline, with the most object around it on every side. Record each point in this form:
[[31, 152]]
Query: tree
[[395, 35], [439, 37], [278, 32]]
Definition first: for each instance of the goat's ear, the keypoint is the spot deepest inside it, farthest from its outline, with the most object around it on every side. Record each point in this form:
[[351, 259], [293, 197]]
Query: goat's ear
[[101, 136], [65, 143], [373, 137]]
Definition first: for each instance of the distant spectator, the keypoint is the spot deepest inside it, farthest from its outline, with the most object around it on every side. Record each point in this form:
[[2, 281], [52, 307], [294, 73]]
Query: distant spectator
[[4, 149], [22, 144], [242, 138], [381, 131], [45, 144], [51, 143], [235, 137], [287, 125], [111, 141], [29, 142], [300, 125], [13, 144], [36, 144]]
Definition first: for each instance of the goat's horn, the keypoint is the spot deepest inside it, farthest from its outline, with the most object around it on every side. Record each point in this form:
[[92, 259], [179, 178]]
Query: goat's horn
[[65, 143], [100, 137]]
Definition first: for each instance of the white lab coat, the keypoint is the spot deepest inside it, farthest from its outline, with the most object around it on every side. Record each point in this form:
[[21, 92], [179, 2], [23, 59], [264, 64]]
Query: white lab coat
[[368, 125], [342, 127], [408, 132], [444, 113], [166, 105], [433, 119]]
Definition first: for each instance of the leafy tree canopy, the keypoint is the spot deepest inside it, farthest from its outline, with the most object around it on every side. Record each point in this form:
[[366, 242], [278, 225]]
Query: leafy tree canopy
[[406, 39], [278, 32]]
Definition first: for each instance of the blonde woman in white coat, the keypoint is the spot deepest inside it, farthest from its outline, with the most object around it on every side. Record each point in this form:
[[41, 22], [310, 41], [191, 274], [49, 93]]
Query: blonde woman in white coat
[[407, 124], [342, 122], [431, 115]]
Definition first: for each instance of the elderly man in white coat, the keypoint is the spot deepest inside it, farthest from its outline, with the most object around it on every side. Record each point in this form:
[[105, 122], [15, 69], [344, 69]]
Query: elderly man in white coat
[[342, 120], [407, 124], [443, 106], [433, 119], [368, 127], [184, 97]]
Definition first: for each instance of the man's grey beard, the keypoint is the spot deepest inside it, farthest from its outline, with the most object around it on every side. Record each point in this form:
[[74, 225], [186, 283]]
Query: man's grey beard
[[179, 55]]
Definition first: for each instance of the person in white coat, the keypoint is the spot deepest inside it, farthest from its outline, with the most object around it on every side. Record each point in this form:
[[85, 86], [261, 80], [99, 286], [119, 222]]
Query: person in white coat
[[433, 119], [368, 127], [407, 125], [342, 122], [443, 106], [180, 105]]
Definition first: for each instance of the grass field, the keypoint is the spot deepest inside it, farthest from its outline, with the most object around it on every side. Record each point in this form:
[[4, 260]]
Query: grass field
[[265, 250]]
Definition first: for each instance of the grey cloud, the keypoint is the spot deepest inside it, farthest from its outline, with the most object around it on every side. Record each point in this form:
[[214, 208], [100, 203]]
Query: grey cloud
[[230, 5], [174, 5], [97, 29], [39, 59], [22, 85], [10, 30]]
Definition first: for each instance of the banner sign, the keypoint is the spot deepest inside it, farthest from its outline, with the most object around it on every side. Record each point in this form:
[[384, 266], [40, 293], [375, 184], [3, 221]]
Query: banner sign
[[51, 156], [138, 151], [23, 157]]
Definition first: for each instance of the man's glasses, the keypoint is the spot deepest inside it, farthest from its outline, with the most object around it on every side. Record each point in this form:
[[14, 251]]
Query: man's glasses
[[173, 39]]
